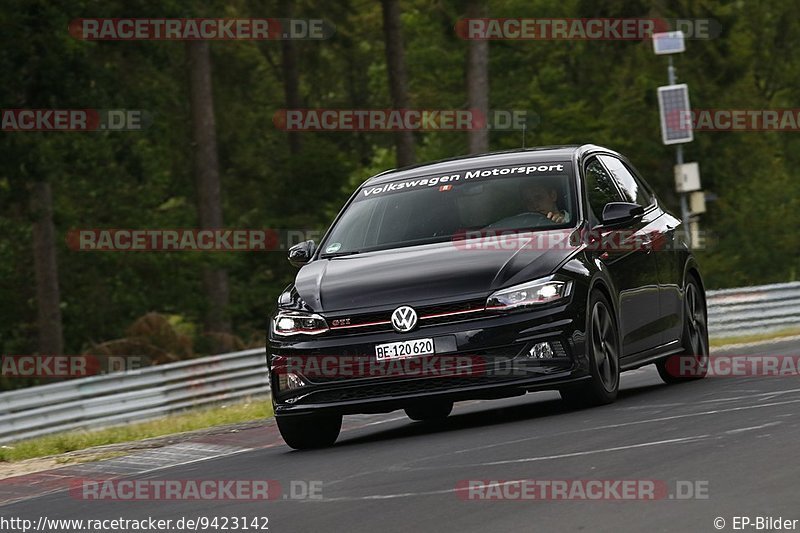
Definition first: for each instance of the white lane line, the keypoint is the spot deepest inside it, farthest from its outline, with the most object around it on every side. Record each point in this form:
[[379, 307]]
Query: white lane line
[[762, 395], [228, 453], [375, 496], [537, 437], [144, 461], [701, 413], [657, 406], [682, 440], [622, 424], [652, 406], [589, 452], [516, 441], [398, 468], [751, 396], [768, 395], [395, 419], [752, 428], [767, 398]]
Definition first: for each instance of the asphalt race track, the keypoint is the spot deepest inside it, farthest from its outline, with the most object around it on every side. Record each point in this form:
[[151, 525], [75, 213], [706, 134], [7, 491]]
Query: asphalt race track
[[736, 436]]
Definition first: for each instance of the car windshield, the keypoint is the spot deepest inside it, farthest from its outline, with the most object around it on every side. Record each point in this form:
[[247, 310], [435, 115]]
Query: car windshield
[[533, 196]]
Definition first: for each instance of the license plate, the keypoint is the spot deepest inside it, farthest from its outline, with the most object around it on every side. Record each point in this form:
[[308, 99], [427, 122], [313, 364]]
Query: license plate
[[401, 350]]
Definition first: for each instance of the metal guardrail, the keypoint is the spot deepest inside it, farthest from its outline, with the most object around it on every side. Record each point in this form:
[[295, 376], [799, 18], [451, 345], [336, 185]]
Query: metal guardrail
[[151, 392], [749, 310], [123, 397]]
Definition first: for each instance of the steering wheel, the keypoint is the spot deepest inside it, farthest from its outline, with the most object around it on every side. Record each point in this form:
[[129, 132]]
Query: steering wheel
[[523, 220]]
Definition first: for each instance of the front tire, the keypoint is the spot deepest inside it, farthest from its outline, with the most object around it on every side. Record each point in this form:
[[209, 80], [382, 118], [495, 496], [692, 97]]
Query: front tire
[[304, 432], [675, 368], [602, 349]]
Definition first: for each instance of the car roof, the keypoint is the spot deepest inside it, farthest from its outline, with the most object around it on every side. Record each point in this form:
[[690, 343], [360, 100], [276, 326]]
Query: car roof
[[508, 157]]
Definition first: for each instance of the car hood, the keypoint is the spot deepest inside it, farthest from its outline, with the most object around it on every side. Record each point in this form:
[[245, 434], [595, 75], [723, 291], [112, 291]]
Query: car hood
[[442, 272]]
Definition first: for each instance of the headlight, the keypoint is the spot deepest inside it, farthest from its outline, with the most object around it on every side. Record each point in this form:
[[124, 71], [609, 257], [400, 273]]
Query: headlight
[[298, 323], [530, 294]]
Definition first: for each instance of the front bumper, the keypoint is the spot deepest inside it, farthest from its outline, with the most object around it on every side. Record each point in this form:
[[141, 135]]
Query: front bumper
[[478, 358]]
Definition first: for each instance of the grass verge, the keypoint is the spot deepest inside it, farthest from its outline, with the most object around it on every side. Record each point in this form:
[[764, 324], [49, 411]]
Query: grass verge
[[244, 411], [756, 337]]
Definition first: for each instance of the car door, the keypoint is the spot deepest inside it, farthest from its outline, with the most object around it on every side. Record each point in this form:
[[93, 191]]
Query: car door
[[632, 269], [667, 246]]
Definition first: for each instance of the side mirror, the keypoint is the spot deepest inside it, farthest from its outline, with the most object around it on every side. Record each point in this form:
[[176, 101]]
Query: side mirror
[[620, 212], [300, 254]]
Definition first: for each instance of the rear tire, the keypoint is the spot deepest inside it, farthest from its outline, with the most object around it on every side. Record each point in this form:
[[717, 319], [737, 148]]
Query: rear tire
[[424, 412], [304, 432], [694, 340], [602, 349]]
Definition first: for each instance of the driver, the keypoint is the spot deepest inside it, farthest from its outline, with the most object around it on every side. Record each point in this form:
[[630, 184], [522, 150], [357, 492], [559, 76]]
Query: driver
[[542, 198]]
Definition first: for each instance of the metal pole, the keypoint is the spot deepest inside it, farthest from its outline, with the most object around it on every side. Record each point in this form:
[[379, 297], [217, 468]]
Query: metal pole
[[679, 161]]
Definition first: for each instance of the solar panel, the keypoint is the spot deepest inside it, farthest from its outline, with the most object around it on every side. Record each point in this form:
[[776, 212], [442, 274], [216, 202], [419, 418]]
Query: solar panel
[[670, 42], [676, 117]]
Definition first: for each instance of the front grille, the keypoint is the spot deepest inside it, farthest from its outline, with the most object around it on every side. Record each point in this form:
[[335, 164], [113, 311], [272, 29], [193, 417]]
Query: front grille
[[400, 388], [493, 366], [428, 316]]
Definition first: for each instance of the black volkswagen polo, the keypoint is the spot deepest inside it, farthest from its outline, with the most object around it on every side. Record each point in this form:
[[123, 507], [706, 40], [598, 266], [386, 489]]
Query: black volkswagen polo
[[484, 277]]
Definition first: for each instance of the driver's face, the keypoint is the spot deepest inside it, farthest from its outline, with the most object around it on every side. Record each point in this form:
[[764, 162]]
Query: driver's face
[[540, 199]]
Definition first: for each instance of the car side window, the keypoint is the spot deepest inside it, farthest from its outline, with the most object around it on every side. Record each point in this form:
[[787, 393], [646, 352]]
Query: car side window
[[600, 188], [631, 188]]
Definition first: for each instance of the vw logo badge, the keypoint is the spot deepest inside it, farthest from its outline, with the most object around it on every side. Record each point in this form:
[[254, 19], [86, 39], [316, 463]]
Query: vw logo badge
[[404, 319]]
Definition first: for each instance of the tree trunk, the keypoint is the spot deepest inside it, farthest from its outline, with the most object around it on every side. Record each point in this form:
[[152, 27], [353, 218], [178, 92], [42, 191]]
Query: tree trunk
[[398, 82], [478, 80], [206, 170], [48, 297], [291, 81]]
